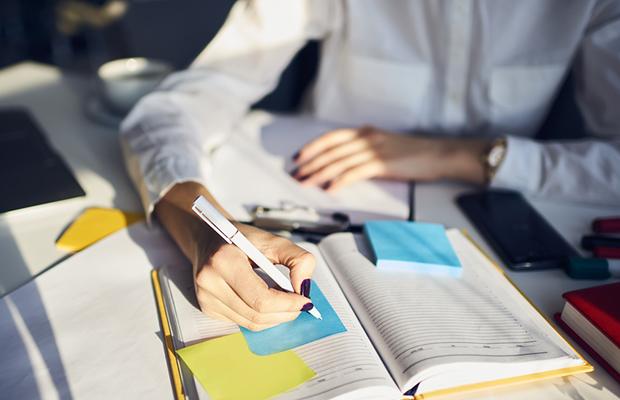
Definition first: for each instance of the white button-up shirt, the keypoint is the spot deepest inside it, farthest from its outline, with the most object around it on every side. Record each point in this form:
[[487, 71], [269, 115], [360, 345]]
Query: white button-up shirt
[[450, 67]]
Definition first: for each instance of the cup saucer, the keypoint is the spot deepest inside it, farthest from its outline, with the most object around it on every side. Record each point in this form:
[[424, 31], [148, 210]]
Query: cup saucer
[[97, 111]]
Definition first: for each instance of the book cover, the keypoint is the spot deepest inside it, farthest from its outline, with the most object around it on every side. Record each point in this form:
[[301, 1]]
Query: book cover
[[601, 306]]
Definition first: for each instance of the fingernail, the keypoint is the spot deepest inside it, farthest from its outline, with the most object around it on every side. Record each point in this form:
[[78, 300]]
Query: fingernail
[[294, 172], [326, 185], [305, 288], [307, 307], [295, 156]]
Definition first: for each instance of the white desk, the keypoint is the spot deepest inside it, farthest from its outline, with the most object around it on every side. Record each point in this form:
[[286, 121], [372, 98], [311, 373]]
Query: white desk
[[27, 238], [57, 102]]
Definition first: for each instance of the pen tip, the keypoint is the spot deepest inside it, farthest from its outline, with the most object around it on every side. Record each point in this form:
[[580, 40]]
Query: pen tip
[[315, 313]]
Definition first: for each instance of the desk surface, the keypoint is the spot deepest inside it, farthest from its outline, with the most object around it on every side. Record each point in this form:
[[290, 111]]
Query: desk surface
[[92, 151], [57, 101]]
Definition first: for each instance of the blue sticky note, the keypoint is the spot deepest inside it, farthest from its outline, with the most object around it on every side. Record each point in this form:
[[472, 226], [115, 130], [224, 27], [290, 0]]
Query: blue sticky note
[[304, 329], [413, 246]]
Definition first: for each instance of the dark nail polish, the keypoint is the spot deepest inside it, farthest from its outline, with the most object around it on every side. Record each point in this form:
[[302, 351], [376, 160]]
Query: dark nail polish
[[305, 288], [307, 307], [294, 171], [326, 185], [295, 156]]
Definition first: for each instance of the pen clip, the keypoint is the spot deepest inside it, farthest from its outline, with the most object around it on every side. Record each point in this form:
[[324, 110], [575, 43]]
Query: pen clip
[[211, 224]]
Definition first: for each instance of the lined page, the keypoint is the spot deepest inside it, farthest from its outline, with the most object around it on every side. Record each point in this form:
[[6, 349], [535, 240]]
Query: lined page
[[423, 325], [346, 364]]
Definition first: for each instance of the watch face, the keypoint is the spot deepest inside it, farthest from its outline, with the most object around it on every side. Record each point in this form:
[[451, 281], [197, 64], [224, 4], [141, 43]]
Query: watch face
[[495, 155]]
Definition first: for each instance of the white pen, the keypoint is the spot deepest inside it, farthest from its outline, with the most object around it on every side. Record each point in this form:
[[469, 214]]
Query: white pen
[[231, 235]]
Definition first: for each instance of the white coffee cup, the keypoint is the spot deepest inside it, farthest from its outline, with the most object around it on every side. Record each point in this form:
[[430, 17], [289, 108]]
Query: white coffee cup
[[123, 82]]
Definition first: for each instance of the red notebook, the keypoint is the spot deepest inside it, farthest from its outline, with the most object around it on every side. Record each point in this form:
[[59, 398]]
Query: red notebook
[[600, 306]]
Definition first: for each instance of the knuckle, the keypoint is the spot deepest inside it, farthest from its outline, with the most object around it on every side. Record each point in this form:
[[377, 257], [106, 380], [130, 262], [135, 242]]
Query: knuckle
[[335, 133], [254, 327], [256, 318], [329, 171], [279, 242], [307, 258], [259, 305], [372, 135], [203, 279]]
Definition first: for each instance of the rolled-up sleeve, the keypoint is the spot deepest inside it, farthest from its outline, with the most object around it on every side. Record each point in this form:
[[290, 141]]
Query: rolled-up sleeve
[[166, 137], [586, 170], [582, 171]]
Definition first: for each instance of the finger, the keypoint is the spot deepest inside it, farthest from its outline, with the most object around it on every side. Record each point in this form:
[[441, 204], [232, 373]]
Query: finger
[[230, 298], [300, 262], [206, 308], [257, 295], [330, 155], [337, 168], [324, 142], [357, 173], [235, 269], [217, 307]]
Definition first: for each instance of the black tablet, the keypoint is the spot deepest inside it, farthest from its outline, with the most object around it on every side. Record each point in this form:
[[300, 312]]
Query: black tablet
[[31, 172]]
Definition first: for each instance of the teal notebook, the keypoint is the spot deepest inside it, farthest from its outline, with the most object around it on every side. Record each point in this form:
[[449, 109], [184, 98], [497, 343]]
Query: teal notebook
[[413, 246]]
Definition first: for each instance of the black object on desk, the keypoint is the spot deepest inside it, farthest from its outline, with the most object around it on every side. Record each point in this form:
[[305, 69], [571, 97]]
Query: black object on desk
[[589, 242], [31, 172], [517, 232]]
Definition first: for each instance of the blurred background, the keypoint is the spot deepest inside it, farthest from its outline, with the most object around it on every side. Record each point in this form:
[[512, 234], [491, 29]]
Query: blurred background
[[80, 35]]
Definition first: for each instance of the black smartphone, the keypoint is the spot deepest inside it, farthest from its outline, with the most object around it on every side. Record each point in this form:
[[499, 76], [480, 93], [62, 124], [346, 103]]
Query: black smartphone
[[517, 232]]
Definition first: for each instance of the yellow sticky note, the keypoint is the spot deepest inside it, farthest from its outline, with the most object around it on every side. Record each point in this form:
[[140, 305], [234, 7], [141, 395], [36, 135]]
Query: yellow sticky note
[[227, 369], [94, 224]]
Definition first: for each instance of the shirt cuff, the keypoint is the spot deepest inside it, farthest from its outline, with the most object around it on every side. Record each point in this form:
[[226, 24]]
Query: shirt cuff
[[522, 167], [162, 177]]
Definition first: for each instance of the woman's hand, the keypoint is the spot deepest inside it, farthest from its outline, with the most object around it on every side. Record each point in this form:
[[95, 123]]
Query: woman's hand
[[227, 287], [343, 156]]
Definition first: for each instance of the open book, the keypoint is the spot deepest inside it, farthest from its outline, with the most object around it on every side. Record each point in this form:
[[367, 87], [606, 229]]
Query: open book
[[406, 332]]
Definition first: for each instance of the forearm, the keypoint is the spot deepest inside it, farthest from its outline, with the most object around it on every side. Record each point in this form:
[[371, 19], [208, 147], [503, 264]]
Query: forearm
[[174, 211]]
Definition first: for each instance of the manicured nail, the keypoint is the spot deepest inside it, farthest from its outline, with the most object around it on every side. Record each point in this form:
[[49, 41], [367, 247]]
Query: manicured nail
[[295, 156], [305, 288], [307, 307], [294, 172], [326, 185]]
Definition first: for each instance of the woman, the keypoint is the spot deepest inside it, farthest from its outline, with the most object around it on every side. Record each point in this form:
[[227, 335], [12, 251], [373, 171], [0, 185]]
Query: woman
[[471, 81]]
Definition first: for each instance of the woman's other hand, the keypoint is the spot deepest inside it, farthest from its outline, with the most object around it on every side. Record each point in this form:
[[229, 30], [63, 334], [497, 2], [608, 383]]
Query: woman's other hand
[[344, 156]]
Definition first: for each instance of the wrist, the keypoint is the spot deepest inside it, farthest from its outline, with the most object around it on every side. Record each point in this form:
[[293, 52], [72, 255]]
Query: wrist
[[463, 159], [174, 211]]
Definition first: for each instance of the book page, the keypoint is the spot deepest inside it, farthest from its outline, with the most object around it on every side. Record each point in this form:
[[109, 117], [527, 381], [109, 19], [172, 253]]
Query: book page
[[347, 366], [426, 326]]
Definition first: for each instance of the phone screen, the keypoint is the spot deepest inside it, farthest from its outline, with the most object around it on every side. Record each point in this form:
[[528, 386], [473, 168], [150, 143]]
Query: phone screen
[[517, 232]]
